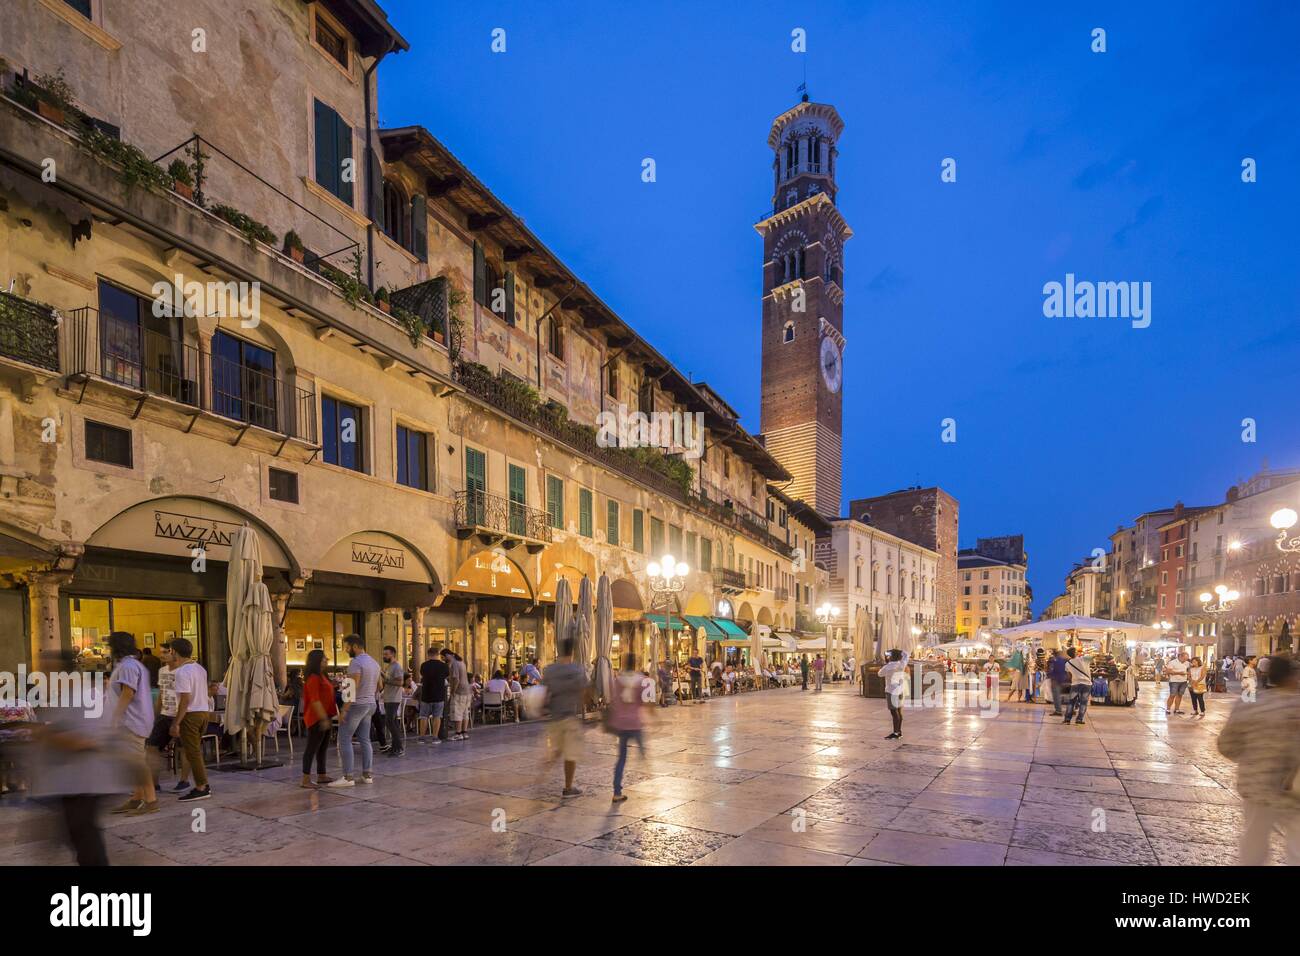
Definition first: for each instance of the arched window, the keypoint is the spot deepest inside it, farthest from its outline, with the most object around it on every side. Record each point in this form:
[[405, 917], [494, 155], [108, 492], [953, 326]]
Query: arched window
[[787, 334], [397, 214]]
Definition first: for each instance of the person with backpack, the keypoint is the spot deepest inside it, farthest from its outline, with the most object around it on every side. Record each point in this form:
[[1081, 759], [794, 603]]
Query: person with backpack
[[626, 716], [1079, 669]]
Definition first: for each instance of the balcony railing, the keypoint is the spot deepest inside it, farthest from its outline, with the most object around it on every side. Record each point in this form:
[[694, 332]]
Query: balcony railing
[[29, 332], [120, 351], [479, 511], [729, 579]]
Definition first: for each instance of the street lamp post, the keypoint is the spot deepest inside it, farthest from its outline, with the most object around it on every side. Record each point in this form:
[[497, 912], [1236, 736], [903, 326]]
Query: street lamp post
[[826, 615], [1220, 601], [667, 577], [1284, 519]]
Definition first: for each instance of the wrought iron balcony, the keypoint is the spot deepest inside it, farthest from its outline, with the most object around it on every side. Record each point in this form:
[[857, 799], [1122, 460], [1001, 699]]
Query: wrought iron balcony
[[122, 352], [499, 520], [729, 581], [29, 332]]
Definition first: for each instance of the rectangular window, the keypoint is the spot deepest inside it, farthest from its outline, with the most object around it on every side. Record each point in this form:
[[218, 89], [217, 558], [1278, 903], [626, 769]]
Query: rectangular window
[[675, 541], [611, 379], [412, 458], [706, 554], [284, 485], [332, 41], [333, 149], [692, 558], [243, 381], [108, 444], [611, 521], [517, 481], [341, 434], [638, 530], [584, 512], [555, 501], [656, 538]]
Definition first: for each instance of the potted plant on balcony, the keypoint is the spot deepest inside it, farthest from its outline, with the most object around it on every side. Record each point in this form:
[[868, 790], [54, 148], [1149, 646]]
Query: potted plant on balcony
[[381, 300], [294, 248], [53, 96], [182, 178]]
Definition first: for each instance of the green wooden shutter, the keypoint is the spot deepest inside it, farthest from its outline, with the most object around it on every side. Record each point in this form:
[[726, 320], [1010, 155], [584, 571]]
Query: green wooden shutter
[[584, 512], [343, 151], [376, 184], [324, 132], [638, 530], [480, 276], [555, 501], [611, 522], [475, 484], [510, 298], [518, 499], [420, 226]]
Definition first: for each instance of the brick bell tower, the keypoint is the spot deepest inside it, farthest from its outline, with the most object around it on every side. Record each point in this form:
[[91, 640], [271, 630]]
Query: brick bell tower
[[803, 305]]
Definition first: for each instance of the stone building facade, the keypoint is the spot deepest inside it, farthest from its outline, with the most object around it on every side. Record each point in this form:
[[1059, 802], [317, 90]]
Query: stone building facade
[[420, 466]]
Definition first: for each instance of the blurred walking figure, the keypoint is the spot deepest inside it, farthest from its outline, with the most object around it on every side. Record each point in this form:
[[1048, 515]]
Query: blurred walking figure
[[803, 670], [318, 710], [1263, 738], [567, 694], [894, 674], [665, 675], [819, 673], [626, 716], [133, 716], [77, 762], [1249, 678], [1059, 679]]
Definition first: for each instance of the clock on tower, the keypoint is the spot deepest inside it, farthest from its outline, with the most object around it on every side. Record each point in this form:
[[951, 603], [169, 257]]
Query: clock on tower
[[803, 305]]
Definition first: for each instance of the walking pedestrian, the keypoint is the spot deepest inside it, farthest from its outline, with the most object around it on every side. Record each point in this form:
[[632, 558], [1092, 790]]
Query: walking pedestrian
[[567, 695], [1197, 684], [894, 674], [161, 739], [1060, 680], [1176, 671], [319, 709], [76, 762], [696, 665], [1261, 670], [819, 673], [1260, 737], [433, 692], [193, 704], [803, 670], [1238, 667], [133, 717], [1079, 668], [992, 678], [393, 676], [358, 712], [626, 717], [1017, 667], [1249, 679], [664, 673], [461, 691]]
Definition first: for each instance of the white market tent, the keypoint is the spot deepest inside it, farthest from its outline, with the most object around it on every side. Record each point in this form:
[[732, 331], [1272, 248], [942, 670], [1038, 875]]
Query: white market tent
[[1084, 627], [960, 647]]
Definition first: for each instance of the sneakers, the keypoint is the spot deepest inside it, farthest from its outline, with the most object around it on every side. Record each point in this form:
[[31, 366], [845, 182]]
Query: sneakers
[[1079, 723], [571, 792], [893, 736], [397, 753], [435, 740], [367, 778], [340, 783], [127, 807], [143, 809], [619, 798], [197, 794], [181, 786], [1066, 721]]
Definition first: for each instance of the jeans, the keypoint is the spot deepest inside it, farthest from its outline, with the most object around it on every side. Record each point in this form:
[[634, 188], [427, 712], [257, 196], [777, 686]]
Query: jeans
[[378, 725], [317, 744], [356, 723], [393, 721], [1198, 702], [1058, 694], [1080, 694], [624, 738], [817, 676], [696, 692]]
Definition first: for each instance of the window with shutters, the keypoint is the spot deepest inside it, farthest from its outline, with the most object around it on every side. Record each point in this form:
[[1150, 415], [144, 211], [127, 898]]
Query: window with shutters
[[494, 286], [555, 501], [334, 160], [584, 512], [675, 541], [517, 480], [691, 558], [706, 554], [397, 214], [412, 458], [638, 530], [611, 521], [330, 38], [555, 338], [656, 537]]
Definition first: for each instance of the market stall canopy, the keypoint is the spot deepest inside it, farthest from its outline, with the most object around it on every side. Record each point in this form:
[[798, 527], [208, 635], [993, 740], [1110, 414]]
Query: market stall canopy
[[666, 621], [731, 629], [960, 646], [787, 640], [1076, 624]]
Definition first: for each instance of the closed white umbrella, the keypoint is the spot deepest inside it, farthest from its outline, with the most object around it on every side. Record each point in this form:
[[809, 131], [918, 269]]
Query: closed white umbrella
[[652, 652], [860, 640], [563, 609], [604, 675], [251, 699], [582, 646], [755, 645]]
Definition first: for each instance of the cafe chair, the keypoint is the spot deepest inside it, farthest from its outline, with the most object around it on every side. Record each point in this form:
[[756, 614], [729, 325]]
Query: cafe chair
[[286, 726], [493, 703]]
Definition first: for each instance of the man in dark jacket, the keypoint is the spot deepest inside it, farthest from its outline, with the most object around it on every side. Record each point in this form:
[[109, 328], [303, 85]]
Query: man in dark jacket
[[803, 669], [1059, 678]]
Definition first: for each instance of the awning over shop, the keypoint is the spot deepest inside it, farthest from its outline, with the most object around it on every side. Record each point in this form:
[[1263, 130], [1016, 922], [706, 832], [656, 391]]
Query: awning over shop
[[788, 640], [711, 630], [665, 620], [731, 629]]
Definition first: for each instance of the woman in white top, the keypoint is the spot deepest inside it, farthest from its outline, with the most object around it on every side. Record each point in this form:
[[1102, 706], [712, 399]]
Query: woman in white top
[[1249, 679], [894, 674]]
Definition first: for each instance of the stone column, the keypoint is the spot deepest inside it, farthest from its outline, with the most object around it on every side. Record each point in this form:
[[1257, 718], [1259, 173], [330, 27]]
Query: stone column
[[546, 640], [417, 637], [280, 646], [43, 592]]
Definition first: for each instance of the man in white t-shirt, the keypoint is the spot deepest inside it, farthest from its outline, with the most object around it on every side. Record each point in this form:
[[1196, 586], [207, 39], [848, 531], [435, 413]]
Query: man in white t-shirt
[[161, 738], [354, 721], [1176, 673], [192, 707]]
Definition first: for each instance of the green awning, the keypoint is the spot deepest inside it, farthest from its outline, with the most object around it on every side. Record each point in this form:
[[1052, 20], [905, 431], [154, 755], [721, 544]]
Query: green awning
[[731, 628], [711, 630], [673, 624]]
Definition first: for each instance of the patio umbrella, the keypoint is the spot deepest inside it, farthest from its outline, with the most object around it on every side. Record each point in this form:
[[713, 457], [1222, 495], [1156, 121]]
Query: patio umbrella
[[251, 700], [582, 646], [860, 641], [563, 609], [755, 645], [651, 661], [604, 675]]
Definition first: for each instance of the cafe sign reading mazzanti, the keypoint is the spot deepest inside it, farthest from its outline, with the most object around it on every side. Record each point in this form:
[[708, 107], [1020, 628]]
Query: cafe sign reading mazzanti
[[377, 557], [197, 532]]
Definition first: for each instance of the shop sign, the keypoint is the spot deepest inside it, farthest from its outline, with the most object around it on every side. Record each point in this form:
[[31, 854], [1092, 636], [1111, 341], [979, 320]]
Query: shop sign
[[377, 557], [196, 531]]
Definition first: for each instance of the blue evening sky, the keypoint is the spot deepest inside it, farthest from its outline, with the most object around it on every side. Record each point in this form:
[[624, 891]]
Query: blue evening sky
[[1122, 166]]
